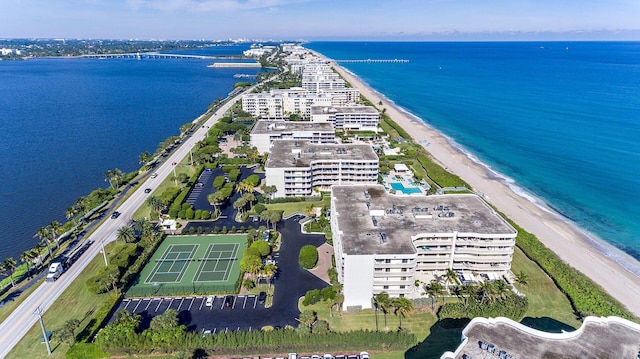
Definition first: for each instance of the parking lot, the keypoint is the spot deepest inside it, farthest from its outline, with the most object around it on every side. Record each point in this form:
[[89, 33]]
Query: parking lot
[[244, 313]]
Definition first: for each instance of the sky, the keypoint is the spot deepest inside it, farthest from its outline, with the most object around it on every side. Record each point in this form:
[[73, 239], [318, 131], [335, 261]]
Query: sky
[[323, 19]]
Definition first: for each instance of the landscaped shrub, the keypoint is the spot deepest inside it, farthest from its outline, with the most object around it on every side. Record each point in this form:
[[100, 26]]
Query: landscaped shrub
[[234, 174], [189, 214], [254, 180], [262, 247], [311, 297], [308, 257], [218, 182], [205, 215], [259, 208], [513, 306]]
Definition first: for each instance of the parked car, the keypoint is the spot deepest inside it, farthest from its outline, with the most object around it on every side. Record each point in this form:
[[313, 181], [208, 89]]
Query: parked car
[[206, 332], [209, 301], [228, 301], [364, 355], [262, 297], [115, 215]]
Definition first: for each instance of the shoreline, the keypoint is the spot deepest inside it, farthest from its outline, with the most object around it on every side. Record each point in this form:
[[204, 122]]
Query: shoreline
[[611, 268]]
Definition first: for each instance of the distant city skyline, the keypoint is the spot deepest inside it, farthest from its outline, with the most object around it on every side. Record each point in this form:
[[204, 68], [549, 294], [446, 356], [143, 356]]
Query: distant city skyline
[[323, 19]]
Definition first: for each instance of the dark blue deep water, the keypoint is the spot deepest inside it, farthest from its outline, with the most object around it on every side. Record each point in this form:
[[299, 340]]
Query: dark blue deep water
[[64, 122], [559, 121]]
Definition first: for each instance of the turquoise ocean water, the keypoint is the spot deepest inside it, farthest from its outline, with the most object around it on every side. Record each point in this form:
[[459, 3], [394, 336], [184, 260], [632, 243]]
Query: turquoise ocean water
[[558, 121]]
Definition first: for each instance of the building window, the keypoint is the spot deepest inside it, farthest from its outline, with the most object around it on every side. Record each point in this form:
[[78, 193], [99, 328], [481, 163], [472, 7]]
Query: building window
[[404, 269], [385, 287], [401, 287], [405, 260], [387, 270], [387, 260]]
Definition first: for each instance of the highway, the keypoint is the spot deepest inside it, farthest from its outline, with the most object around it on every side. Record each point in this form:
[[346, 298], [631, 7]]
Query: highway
[[23, 317]]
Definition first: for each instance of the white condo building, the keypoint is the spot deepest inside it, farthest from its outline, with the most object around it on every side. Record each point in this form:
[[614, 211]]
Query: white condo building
[[383, 242], [265, 132], [295, 168], [279, 104], [355, 117]]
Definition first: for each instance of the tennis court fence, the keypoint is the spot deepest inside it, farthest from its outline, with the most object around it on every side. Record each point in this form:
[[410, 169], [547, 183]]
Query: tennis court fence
[[181, 289]]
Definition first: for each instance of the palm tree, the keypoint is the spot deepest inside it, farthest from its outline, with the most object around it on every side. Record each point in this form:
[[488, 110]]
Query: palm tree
[[8, 266], [215, 199], [403, 307], [266, 216], [376, 307], [435, 289], [269, 191], [239, 204], [450, 277], [331, 302], [156, 204], [249, 197], [55, 229], [269, 270], [113, 176], [144, 158], [244, 186], [81, 205], [45, 237], [384, 302], [126, 234], [27, 258], [487, 289], [37, 252], [467, 290], [501, 289], [274, 218], [145, 227], [71, 212], [522, 278], [339, 302]]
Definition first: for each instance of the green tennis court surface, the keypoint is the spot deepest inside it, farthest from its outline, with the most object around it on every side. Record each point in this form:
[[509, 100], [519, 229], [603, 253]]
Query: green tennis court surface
[[192, 264]]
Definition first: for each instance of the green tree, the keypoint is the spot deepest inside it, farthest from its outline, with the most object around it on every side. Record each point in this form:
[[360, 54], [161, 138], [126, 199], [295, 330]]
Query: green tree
[[145, 227], [308, 257], [144, 158], [27, 258], [522, 278], [156, 204], [269, 270], [45, 236], [126, 234], [269, 191], [307, 318], [166, 320], [435, 289], [339, 302], [402, 308], [251, 265], [215, 199], [263, 247], [450, 277], [274, 218], [8, 267], [384, 302], [113, 177], [248, 284]]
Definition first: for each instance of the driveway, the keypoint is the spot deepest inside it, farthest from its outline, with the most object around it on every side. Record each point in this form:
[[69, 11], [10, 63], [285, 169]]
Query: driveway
[[291, 282]]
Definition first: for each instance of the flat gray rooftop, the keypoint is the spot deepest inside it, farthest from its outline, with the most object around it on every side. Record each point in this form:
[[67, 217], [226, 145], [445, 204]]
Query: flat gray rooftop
[[275, 127], [401, 217], [598, 340], [316, 110], [292, 153]]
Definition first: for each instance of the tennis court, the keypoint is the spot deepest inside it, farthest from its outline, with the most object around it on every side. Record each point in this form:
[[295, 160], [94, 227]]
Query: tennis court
[[200, 264]]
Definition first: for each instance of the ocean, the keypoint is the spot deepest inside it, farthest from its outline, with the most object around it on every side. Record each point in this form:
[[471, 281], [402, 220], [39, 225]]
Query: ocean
[[557, 121], [64, 122]]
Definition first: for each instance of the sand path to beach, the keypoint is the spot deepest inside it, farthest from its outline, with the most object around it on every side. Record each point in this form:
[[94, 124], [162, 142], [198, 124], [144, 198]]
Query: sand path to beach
[[565, 239]]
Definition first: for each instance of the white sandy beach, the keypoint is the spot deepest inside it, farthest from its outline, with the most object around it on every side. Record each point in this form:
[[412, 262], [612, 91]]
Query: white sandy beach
[[562, 237]]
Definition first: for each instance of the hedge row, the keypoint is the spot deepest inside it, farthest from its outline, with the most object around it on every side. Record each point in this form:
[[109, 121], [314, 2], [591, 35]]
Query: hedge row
[[587, 297], [512, 307]]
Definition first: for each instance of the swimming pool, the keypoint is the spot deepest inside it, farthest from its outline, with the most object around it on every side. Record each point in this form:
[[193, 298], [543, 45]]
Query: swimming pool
[[405, 190]]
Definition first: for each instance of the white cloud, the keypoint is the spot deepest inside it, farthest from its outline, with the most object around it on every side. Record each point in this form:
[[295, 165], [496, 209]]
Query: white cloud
[[203, 6]]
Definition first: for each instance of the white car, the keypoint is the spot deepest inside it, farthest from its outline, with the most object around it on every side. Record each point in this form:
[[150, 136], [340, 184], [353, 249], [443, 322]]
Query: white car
[[209, 301], [154, 175], [364, 355]]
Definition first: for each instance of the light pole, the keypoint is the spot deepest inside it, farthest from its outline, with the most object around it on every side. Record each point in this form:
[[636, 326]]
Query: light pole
[[104, 252], [38, 312]]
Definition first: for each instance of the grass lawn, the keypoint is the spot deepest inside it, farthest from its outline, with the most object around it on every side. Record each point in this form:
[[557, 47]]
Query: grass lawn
[[16, 296], [549, 309], [75, 303], [298, 207]]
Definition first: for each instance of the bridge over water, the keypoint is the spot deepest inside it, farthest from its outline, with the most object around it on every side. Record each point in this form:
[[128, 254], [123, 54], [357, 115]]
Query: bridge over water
[[158, 55]]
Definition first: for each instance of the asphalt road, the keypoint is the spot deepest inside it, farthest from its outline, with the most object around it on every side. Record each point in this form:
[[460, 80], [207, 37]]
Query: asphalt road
[[23, 318]]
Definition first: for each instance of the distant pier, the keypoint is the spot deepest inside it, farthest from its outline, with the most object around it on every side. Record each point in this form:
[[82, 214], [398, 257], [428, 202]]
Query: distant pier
[[374, 61], [236, 64]]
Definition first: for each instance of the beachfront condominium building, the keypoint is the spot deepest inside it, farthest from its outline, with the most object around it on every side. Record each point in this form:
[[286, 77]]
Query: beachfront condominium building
[[296, 168], [343, 96], [320, 77], [384, 242], [354, 117], [280, 104], [265, 132]]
